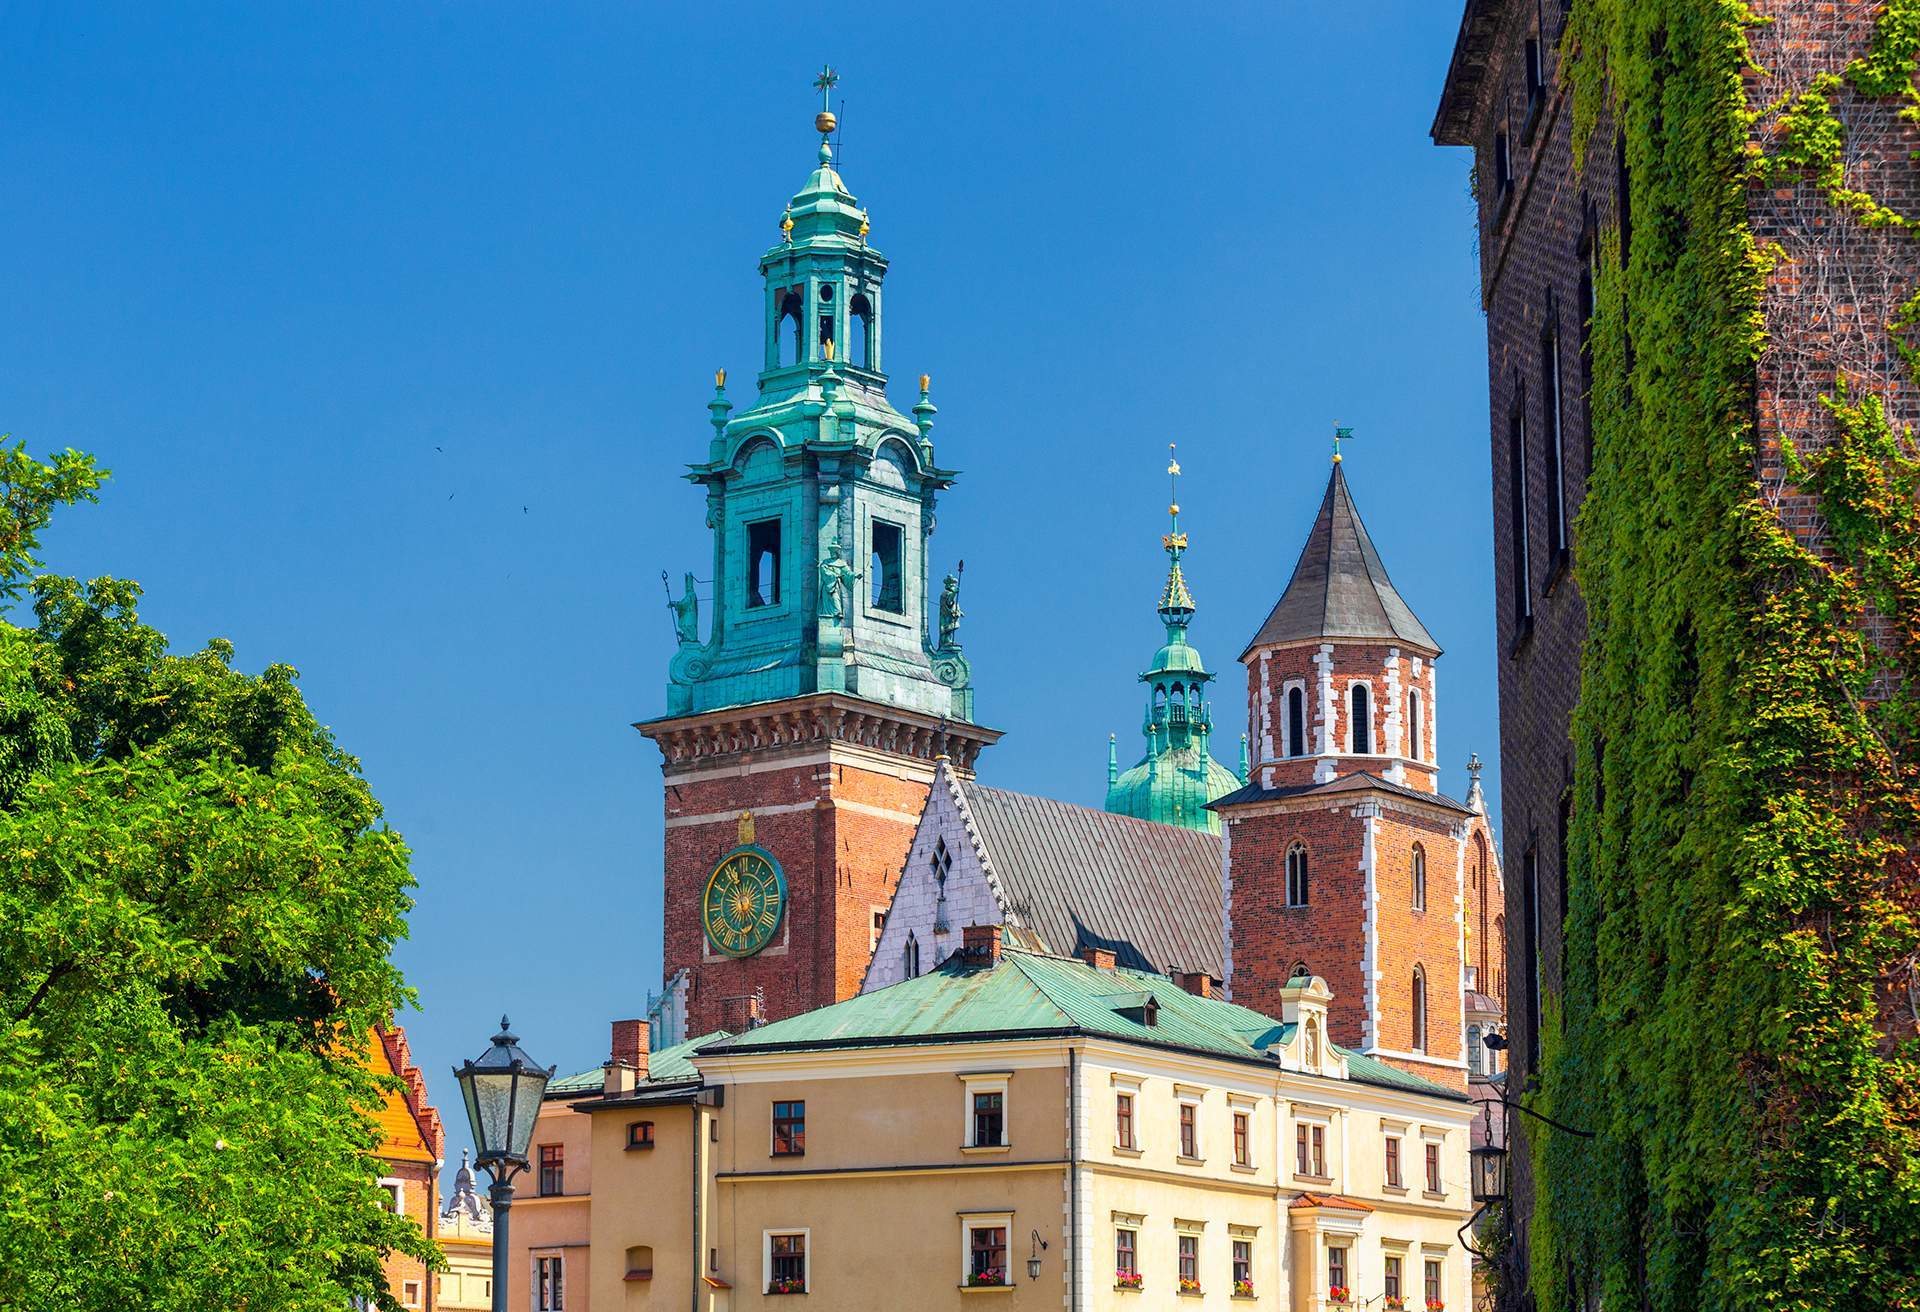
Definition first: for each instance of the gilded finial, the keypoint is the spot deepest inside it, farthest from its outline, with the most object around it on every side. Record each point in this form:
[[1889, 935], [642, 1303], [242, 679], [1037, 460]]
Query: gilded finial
[[864, 228], [823, 122], [827, 346], [719, 379], [786, 226], [926, 381]]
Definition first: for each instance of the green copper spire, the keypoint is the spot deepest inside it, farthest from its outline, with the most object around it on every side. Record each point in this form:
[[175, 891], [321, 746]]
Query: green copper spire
[[820, 494], [1177, 777]]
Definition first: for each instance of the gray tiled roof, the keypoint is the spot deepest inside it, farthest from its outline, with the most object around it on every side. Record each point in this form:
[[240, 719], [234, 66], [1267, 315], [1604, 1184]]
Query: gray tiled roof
[[1339, 587], [1079, 877]]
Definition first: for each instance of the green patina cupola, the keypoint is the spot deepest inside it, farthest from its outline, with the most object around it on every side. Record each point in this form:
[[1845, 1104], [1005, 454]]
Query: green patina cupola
[[820, 494], [1177, 777]]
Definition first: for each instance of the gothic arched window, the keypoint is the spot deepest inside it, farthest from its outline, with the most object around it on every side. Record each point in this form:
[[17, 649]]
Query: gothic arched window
[[1419, 878], [1416, 728], [1476, 1053], [787, 328], [860, 345], [910, 963], [1297, 875], [1296, 722], [1361, 717], [1419, 1009]]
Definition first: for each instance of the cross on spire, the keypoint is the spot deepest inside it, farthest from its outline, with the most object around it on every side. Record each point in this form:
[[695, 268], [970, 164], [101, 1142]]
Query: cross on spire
[[825, 84]]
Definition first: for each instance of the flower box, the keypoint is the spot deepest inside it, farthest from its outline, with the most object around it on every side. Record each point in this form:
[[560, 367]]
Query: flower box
[[1339, 1294], [1191, 1288], [989, 1279], [792, 1285], [1243, 1289], [1126, 1279]]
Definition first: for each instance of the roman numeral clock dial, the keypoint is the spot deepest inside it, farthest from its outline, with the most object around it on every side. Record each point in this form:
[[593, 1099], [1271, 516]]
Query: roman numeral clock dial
[[745, 898]]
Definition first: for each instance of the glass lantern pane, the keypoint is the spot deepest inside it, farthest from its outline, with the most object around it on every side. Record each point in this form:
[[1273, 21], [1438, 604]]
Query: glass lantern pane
[[527, 1092], [491, 1102]]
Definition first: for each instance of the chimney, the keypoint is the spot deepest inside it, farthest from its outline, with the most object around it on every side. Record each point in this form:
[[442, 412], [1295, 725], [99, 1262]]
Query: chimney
[[745, 1012], [981, 943], [1196, 982], [628, 1065], [1098, 958]]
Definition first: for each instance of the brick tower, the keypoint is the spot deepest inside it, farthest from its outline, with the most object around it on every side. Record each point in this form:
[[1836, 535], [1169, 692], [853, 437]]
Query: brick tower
[[1343, 860], [801, 734]]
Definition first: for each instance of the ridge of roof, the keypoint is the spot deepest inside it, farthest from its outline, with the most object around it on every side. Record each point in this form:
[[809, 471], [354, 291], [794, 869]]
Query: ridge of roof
[[668, 1065], [1339, 588], [1352, 782]]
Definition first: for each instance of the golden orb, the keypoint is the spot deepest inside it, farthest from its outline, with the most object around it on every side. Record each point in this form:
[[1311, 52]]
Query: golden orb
[[824, 121]]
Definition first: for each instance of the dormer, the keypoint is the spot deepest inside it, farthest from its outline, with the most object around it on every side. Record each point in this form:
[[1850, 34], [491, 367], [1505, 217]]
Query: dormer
[[1303, 1006]]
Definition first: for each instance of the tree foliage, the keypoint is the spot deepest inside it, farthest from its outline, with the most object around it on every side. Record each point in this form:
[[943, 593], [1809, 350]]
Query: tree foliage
[[195, 923], [1736, 1019]]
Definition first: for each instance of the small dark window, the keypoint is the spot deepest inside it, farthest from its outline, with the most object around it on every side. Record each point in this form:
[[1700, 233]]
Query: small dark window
[[1337, 1268], [789, 1273], [1189, 1130], [763, 563], [1502, 170], [1188, 1253], [1123, 1121], [787, 329], [1126, 1253], [879, 923], [1530, 947], [1419, 1010], [1432, 1284], [883, 574], [1557, 529], [550, 1285], [1242, 1139], [1416, 726], [910, 957], [1243, 1268], [1433, 1168], [1419, 878], [789, 1129], [1297, 876], [1536, 86], [1393, 1161], [1296, 722], [860, 345], [1390, 1284], [1517, 518], [1361, 705], [640, 1134], [553, 1177], [989, 1120]]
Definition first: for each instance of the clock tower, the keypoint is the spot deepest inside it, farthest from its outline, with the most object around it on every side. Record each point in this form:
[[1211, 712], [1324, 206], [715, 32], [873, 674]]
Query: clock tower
[[803, 725]]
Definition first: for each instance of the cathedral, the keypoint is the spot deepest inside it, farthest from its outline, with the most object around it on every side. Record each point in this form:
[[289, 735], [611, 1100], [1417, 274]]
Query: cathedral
[[826, 831]]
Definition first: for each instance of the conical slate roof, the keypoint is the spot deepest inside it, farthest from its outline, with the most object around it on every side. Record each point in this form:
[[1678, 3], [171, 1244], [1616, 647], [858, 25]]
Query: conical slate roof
[[1340, 590]]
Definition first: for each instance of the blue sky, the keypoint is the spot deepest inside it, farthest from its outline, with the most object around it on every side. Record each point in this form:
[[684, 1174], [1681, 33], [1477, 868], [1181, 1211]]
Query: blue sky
[[396, 324]]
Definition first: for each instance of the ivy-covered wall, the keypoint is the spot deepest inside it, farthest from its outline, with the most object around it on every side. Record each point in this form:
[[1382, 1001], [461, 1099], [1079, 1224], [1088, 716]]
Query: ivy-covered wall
[[1737, 1015]]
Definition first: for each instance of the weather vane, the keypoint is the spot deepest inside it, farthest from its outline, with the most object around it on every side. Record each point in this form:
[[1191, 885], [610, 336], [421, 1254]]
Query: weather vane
[[1340, 435], [825, 84]]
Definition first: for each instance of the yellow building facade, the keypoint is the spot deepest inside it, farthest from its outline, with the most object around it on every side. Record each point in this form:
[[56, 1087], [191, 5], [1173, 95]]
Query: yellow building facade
[[1012, 1130]]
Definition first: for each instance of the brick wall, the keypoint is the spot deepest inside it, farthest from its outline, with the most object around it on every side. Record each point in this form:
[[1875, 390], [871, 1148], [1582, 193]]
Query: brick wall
[[1326, 673]]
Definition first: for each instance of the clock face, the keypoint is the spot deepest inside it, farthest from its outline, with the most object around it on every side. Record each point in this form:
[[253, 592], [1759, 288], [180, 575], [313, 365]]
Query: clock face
[[746, 896]]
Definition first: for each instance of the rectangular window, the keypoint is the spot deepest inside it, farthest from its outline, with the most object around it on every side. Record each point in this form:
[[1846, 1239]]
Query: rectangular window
[[1390, 1281], [1433, 1168], [787, 1264], [1536, 87], [1189, 1250], [1126, 1254], [1189, 1130], [550, 1285], [789, 1129], [553, 1172], [1300, 1159], [1517, 519], [410, 1293], [391, 1194], [1243, 1268], [1242, 1139], [640, 1134], [879, 923], [989, 1120], [1336, 1269], [1434, 1296], [1502, 171], [1318, 1138], [763, 563], [1557, 530], [1393, 1161], [1123, 1121], [987, 1255], [888, 591]]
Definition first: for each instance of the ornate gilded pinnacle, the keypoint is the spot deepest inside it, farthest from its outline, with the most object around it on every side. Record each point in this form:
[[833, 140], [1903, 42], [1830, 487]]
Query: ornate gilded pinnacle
[[719, 380], [786, 226]]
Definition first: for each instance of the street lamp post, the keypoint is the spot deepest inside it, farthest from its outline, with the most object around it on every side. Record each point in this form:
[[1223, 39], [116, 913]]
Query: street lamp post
[[502, 1091]]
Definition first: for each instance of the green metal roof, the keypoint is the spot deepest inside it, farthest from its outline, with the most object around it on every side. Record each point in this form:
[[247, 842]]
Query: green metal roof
[[1028, 994], [669, 1065]]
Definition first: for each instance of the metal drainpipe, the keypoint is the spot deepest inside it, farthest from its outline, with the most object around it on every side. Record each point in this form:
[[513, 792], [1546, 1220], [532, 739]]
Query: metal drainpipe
[[699, 1260], [1073, 1176]]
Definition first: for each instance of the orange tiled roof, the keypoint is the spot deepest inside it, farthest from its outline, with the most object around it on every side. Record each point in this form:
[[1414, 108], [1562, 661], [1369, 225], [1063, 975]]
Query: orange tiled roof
[[1331, 1200], [410, 1126]]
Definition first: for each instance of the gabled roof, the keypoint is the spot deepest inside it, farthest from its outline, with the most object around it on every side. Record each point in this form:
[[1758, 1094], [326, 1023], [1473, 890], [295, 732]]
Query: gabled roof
[[669, 1065], [410, 1128], [1027, 994], [1076, 877], [1359, 781], [1339, 587]]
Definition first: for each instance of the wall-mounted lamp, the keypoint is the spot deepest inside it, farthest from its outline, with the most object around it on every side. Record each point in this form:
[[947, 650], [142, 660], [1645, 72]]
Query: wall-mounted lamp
[[1033, 1263]]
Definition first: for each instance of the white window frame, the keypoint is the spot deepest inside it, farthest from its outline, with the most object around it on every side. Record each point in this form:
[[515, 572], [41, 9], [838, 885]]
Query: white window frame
[[1133, 1225], [971, 1221], [766, 1254], [1373, 739], [396, 1190], [986, 1082], [1305, 745], [535, 1258], [1130, 1086]]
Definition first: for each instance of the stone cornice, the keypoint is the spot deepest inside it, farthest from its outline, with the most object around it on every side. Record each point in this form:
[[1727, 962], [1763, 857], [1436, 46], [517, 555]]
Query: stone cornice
[[816, 718]]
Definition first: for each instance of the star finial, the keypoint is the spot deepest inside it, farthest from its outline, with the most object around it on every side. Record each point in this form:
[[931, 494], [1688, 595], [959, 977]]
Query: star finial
[[825, 84]]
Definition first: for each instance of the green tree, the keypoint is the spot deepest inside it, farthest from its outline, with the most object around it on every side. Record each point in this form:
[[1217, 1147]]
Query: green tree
[[196, 916]]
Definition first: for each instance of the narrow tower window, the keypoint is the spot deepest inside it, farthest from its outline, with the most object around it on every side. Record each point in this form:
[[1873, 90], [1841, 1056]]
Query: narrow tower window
[[1297, 876], [1419, 878], [1555, 435], [860, 338], [883, 573], [1517, 517], [1416, 727], [1296, 722], [826, 341], [1419, 1009], [1362, 716], [910, 957], [787, 328], [763, 563]]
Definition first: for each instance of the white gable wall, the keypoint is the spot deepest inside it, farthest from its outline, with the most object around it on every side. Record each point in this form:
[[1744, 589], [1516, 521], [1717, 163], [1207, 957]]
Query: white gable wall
[[971, 895]]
